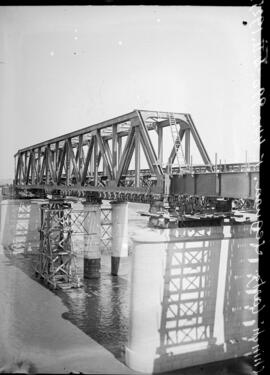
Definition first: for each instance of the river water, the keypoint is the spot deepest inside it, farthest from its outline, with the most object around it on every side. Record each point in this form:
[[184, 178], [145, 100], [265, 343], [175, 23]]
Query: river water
[[99, 310]]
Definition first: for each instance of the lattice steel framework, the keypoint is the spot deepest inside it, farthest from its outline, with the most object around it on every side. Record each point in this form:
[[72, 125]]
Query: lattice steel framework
[[107, 158], [75, 159], [106, 228], [56, 263]]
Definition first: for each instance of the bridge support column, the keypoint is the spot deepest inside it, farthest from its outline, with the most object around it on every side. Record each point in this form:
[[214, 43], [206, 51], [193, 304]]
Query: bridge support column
[[119, 234], [147, 283], [92, 253]]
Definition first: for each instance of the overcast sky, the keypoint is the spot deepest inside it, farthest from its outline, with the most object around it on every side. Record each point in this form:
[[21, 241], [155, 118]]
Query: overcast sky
[[64, 68]]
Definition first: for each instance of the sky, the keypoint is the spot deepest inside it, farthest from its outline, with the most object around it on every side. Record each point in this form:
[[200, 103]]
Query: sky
[[67, 67]]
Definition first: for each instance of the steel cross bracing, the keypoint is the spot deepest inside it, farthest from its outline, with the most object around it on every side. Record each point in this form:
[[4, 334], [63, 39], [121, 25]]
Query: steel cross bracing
[[106, 159], [177, 143]]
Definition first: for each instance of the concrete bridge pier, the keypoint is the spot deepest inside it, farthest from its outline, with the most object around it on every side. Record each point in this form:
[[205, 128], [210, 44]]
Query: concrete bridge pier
[[92, 252], [147, 282], [119, 234]]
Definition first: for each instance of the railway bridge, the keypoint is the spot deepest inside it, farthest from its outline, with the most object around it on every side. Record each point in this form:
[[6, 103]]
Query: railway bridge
[[190, 297], [142, 156], [105, 160]]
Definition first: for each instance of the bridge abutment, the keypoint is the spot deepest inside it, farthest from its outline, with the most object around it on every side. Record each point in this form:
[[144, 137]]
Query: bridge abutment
[[119, 234]]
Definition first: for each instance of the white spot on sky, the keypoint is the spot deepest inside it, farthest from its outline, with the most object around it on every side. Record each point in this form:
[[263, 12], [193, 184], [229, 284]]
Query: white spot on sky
[[75, 30], [120, 42], [52, 53], [75, 37], [158, 20]]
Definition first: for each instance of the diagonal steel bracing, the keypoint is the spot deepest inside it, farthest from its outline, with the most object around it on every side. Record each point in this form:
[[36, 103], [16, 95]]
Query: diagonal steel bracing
[[73, 161]]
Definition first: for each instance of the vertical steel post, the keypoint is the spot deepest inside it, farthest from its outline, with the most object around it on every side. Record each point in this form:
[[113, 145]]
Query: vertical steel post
[[95, 161], [137, 157], [114, 150], [160, 145], [119, 141], [187, 146]]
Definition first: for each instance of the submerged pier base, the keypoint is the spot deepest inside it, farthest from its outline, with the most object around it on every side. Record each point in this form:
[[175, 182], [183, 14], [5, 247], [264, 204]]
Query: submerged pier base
[[92, 253], [119, 234]]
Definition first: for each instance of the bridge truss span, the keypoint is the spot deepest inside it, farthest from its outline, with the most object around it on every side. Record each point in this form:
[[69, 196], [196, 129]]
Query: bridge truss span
[[107, 158]]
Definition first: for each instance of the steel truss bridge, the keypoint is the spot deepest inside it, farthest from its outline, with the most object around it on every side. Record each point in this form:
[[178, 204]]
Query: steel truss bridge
[[98, 160]]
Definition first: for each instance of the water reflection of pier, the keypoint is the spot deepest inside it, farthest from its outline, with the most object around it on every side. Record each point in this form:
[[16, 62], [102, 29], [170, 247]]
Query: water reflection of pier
[[240, 311], [190, 287], [20, 226], [200, 304]]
